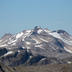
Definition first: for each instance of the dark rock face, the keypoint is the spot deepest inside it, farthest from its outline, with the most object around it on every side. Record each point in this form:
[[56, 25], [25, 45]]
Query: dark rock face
[[61, 31], [35, 59], [16, 58], [3, 51], [1, 69], [5, 68], [35, 30]]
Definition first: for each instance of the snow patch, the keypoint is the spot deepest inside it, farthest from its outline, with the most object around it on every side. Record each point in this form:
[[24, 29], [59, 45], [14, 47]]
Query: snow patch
[[0, 40], [12, 41], [10, 52], [28, 48], [30, 57], [69, 62], [18, 51], [67, 42], [38, 46], [39, 31], [43, 59], [27, 34], [28, 31], [44, 40], [3, 45], [28, 43], [14, 44], [67, 50], [55, 34], [23, 47], [19, 35], [37, 42]]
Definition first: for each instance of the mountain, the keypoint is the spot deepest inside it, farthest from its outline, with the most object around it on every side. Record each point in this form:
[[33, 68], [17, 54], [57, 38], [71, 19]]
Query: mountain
[[35, 47]]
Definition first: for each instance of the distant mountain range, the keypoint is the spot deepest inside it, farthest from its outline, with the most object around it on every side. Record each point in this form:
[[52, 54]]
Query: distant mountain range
[[35, 47]]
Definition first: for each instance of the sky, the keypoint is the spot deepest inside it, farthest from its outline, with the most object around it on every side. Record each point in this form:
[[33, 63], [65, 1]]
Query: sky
[[17, 15]]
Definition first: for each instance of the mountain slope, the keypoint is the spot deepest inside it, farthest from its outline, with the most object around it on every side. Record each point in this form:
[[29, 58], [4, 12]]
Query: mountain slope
[[46, 68], [36, 46], [4, 68]]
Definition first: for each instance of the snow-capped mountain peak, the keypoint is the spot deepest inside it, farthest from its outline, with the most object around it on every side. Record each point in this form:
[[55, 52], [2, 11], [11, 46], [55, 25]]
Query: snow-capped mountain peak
[[36, 45], [34, 37]]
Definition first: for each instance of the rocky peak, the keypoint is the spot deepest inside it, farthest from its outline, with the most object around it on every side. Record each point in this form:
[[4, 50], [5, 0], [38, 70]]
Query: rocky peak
[[37, 27], [62, 32]]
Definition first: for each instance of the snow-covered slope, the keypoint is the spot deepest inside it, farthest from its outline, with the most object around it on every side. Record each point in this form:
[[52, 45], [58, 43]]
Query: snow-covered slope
[[28, 38], [57, 35]]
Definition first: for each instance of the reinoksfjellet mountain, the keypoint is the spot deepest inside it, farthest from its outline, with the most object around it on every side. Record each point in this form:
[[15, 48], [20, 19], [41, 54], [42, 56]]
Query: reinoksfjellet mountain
[[35, 47]]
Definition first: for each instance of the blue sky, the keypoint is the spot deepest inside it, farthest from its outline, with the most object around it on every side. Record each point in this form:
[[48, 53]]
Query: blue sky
[[17, 15]]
